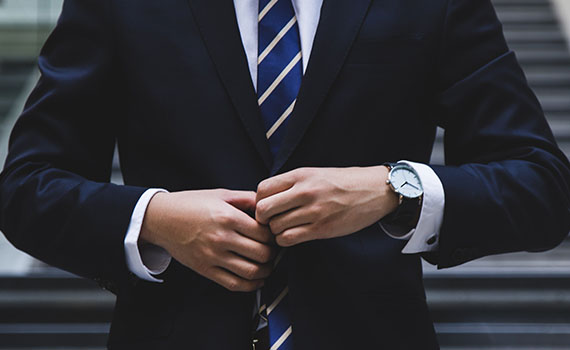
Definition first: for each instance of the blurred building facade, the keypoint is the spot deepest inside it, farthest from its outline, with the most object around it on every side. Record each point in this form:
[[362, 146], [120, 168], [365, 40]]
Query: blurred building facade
[[515, 301]]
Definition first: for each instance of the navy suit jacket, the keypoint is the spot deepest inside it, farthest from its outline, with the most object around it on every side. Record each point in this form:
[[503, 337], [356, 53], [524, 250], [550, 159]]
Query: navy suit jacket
[[168, 80]]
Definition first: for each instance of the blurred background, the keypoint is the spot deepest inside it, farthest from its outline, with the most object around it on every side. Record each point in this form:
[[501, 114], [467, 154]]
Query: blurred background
[[514, 301]]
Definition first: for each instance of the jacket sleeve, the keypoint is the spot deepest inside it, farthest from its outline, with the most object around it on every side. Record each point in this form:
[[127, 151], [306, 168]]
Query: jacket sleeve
[[56, 202], [507, 184]]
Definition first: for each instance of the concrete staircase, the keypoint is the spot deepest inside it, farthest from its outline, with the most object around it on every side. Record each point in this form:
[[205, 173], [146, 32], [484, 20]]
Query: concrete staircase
[[515, 301]]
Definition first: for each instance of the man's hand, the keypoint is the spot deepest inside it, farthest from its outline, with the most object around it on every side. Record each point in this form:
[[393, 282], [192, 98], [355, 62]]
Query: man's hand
[[318, 203], [210, 232]]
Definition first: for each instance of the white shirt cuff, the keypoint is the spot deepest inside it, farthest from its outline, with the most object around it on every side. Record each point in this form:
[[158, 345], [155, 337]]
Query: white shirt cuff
[[425, 237], [144, 260]]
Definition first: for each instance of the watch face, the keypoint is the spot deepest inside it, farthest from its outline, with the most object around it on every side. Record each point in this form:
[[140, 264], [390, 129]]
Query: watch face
[[406, 182]]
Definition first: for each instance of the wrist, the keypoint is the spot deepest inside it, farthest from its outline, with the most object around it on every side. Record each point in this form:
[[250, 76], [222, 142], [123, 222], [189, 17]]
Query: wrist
[[389, 200], [150, 229]]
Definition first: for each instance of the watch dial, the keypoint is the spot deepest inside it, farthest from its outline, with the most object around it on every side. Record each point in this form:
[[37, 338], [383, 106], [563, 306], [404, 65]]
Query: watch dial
[[406, 182]]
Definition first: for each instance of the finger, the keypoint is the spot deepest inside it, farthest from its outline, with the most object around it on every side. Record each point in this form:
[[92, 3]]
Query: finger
[[276, 184], [278, 204], [244, 268], [232, 282], [248, 227], [258, 252], [292, 218], [295, 236], [243, 200]]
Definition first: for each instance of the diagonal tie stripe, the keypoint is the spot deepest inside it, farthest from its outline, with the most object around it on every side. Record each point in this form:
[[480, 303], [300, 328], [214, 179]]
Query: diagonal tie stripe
[[266, 9], [278, 258], [277, 39], [277, 300], [281, 120], [282, 339], [280, 78]]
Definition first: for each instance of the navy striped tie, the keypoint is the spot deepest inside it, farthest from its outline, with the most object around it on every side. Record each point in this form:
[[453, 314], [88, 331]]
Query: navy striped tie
[[279, 67], [278, 81], [275, 306]]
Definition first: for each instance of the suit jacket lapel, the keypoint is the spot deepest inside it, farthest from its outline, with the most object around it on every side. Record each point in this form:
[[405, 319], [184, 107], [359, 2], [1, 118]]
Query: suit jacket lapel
[[339, 24], [220, 31]]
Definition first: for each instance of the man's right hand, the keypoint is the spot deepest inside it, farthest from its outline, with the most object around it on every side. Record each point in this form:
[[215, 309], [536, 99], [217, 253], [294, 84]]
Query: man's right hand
[[210, 232]]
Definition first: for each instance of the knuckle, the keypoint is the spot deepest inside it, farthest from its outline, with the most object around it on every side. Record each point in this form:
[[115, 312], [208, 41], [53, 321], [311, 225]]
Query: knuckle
[[221, 192], [285, 240], [306, 194], [207, 255], [226, 219], [275, 226], [248, 287], [217, 238], [300, 172], [233, 285], [252, 272], [263, 187], [261, 207], [315, 211], [266, 235], [264, 255], [261, 210]]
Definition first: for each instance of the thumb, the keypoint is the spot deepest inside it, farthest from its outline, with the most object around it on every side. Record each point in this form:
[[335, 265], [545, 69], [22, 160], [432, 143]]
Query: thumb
[[243, 200]]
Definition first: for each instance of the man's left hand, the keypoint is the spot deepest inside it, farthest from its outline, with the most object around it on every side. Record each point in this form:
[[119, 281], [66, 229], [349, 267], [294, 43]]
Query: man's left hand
[[318, 203]]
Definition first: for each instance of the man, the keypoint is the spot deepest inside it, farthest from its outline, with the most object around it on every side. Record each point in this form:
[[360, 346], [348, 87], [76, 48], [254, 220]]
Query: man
[[253, 137]]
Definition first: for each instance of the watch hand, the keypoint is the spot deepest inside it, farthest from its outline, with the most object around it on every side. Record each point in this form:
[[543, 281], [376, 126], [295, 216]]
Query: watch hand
[[413, 186]]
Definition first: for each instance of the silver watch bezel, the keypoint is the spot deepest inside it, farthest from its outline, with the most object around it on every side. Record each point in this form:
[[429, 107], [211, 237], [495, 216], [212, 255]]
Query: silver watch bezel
[[409, 168]]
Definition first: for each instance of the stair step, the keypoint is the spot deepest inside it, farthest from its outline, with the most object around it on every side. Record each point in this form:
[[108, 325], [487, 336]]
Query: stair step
[[75, 335], [539, 47], [528, 14], [555, 103], [53, 299], [541, 78], [505, 5], [11, 83], [531, 27], [16, 66], [560, 128], [554, 56], [539, 36], [504, 336]]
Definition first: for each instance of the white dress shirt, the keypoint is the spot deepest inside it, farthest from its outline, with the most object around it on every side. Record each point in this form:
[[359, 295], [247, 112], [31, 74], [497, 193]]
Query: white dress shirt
[[147, 261]]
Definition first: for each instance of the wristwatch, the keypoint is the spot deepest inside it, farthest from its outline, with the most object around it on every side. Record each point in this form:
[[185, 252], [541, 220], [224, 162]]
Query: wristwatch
[[406, 183]]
